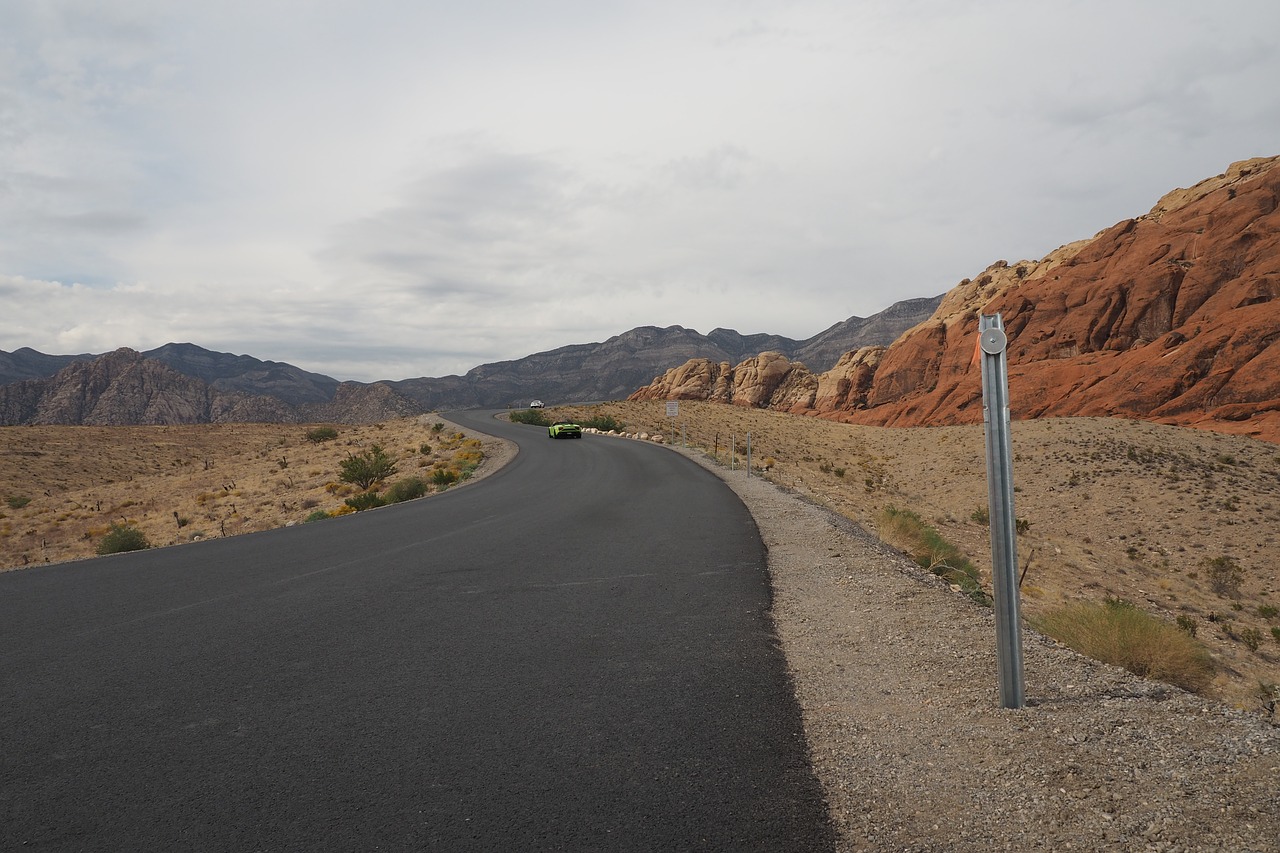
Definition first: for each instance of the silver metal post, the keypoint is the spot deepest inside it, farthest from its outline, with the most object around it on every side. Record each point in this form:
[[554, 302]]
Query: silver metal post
[[748, 454], [1004, 546]]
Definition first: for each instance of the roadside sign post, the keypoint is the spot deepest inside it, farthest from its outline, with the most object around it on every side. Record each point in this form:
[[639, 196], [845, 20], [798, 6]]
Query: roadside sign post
[[992, 342], [673, 412]]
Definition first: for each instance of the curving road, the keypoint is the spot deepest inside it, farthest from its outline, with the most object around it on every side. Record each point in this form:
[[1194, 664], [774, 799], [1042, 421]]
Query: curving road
[[571, 654]]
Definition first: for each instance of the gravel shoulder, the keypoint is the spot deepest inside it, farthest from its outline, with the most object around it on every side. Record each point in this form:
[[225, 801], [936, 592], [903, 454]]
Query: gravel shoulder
[[896, 676]]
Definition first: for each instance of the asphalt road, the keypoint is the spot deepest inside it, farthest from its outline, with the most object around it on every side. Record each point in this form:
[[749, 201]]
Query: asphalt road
[[573, 653]]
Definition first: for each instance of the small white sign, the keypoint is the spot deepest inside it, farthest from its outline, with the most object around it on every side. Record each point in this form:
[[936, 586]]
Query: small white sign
[[673, 409]]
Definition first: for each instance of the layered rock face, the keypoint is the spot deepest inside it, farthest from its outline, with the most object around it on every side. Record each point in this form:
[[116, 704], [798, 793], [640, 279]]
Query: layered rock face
[[769, 380], [1169, 317]]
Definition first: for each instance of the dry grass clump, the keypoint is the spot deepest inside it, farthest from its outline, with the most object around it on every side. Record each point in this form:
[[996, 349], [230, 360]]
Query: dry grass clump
[[905, 529], [1119, 633]]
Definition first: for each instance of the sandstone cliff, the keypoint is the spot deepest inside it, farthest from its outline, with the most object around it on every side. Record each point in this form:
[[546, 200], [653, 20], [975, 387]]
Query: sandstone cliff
[[1169, 317]]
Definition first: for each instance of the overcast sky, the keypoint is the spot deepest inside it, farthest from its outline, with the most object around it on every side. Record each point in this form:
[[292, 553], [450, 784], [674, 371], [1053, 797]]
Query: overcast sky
[[385, 189]]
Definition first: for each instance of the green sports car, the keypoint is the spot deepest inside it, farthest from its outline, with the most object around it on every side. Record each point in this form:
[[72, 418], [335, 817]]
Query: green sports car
[[564, 429]]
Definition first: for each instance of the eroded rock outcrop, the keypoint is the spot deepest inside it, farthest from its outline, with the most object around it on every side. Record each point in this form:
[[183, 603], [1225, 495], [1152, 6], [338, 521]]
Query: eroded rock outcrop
[[769, 380]]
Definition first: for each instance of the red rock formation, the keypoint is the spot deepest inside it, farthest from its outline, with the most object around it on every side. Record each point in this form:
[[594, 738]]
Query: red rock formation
[[1168, 317]]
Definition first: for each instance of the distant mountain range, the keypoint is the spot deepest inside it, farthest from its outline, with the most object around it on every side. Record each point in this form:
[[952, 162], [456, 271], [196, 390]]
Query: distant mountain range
[[1170, 316], [185, 383]]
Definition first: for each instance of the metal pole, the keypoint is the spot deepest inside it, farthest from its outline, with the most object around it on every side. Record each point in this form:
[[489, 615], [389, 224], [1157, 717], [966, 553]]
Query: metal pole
[[733, 450], [1004, 546], [748, 454]]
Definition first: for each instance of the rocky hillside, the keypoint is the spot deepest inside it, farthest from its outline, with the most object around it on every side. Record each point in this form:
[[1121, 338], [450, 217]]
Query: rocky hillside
[[613, 369], [247, 375], [26, 363], [199, 386], [1168, 317], [220, 370], [128, 388]]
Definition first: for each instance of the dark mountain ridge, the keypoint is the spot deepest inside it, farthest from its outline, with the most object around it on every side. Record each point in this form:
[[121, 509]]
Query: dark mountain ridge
[[66, 389]]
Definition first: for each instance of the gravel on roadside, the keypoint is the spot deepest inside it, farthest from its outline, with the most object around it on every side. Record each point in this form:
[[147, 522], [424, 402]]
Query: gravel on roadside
[[896, 677]]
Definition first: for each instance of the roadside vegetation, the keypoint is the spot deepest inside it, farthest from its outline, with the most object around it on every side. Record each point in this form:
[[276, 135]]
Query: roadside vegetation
[[120, 538], [1120, 633], [533, 417], [539, 417], [903, 528], [369, 470]]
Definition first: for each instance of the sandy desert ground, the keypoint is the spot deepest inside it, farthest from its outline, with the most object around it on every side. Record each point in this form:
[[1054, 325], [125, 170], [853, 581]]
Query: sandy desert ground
[[62, 487]]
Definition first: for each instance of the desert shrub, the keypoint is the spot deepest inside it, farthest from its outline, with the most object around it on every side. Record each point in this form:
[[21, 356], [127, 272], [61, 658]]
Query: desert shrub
[[444, 477], [534, 417], [318, 515], [1252, 638], [1186, 623], [604, 423], [437, 427], [906, 530], [320, 434], [121, 538], [1266, 611], [1225, 576], [1275, 633], [17, 501], [365, 500], [425, 449], [981, 515], [1117, 632], [365, 469], [406, 489], [469, 455]]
